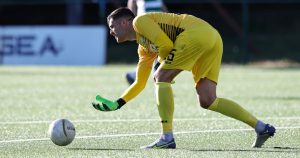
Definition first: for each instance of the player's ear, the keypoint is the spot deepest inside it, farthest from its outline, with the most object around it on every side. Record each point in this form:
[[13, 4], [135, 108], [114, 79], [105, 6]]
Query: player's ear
[[123, 21]]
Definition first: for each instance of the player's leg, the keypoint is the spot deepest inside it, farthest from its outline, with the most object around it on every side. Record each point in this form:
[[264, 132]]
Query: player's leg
[[208, 100], [206, 90], [130, 77], [188, 47], [206, 71], [165, 105]]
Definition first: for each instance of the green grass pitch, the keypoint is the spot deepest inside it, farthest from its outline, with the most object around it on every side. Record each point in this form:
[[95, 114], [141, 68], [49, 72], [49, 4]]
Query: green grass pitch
[[32, 97]]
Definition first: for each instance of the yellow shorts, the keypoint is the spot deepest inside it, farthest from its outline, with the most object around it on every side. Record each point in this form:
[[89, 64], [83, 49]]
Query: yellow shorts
[[198, 50]]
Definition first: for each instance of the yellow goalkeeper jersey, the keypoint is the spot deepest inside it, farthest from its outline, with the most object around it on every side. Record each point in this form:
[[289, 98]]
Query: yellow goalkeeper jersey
[[156, 34]]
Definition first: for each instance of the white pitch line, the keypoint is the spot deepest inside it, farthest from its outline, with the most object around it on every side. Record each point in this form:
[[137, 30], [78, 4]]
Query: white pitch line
[[148, 120], [24, 140], [144, 134]]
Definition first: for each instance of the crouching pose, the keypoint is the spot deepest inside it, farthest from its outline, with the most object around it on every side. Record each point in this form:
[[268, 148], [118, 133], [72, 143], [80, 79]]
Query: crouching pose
[[181, 42]]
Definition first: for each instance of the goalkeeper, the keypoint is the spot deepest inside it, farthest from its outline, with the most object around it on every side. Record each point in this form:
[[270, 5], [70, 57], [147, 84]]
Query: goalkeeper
[[181, 42]]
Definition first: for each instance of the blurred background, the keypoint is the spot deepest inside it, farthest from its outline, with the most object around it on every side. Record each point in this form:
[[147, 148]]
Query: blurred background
[[74, 32]]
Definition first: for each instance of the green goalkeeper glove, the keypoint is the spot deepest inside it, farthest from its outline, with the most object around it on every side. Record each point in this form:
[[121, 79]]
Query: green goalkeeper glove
[[108, 105]]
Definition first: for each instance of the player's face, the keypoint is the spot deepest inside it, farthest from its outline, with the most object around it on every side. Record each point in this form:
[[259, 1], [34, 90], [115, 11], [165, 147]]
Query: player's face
[[118, 29]]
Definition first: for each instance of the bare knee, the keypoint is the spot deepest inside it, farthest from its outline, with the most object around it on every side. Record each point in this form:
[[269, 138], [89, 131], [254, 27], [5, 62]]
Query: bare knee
[[205, 102], [160, 77], [206, 90], [166, 75]]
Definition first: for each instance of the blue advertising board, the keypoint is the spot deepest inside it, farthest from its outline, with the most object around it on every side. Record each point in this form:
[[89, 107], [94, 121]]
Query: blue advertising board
[[53, 45]]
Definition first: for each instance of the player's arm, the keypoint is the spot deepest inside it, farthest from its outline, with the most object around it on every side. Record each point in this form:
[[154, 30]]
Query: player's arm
[[131, 4], [147, 27], [143, 71]]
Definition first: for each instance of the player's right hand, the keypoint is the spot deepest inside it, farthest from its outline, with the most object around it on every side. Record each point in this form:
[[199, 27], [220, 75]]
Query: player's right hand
[[108, 105]]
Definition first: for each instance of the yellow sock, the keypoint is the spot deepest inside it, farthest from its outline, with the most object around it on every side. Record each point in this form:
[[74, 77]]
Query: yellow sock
[[165, 104], [234, 110]]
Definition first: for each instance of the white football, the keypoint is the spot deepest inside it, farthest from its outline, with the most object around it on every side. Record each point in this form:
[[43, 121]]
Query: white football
[[61, 132]]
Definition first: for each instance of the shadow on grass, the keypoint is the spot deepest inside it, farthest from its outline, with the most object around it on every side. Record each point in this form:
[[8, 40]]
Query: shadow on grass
[[101, 149], [270, 150], [287, 148]]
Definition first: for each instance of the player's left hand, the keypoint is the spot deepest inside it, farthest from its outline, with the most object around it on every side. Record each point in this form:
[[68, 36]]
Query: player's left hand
[[108, 105]]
